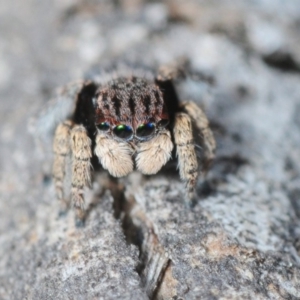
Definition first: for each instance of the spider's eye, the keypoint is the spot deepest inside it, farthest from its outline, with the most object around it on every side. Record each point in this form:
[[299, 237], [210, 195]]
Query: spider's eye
[[123, 131], [104, 126], [145, 130], [163, 123]]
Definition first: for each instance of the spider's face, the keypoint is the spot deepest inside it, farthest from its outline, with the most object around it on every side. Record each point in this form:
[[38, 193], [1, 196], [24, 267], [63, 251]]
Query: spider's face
[[130, 109]]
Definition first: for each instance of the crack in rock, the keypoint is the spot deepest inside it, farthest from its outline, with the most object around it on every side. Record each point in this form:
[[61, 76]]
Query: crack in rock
[[155, 266]]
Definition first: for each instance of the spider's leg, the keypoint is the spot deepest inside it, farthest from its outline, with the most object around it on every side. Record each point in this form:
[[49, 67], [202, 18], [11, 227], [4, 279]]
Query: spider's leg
[[81, 167], [181, 69], [187, 158], [200, 120], [114, 156], [155, 153], [61, 148], [172, 71]]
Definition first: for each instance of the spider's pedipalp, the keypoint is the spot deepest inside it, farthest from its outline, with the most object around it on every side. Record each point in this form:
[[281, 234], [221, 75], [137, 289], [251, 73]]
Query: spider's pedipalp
[[114, 156], [187, 159], [201, 122], [81, 166], [61, 148], [152, 155]]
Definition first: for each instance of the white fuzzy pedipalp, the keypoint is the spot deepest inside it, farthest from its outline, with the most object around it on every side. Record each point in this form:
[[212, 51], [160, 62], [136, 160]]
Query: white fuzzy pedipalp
[[114, 156], [152, 155]]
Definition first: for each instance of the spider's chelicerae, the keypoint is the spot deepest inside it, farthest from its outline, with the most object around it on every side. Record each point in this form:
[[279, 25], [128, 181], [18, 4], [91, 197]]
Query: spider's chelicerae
[[129, 120]]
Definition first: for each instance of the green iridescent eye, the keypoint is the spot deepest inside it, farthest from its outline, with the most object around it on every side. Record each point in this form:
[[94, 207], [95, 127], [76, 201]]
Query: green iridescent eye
[[145, 130], [104, 126], [123, 131]]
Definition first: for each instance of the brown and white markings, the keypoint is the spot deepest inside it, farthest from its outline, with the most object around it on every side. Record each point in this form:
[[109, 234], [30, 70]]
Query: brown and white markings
[[129, 120]]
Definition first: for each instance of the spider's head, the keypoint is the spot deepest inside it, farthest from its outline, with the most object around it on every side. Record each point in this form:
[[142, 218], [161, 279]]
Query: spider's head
[[131, 109]]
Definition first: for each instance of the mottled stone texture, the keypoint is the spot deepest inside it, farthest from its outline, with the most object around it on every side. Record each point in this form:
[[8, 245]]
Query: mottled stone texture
[[242, 238]]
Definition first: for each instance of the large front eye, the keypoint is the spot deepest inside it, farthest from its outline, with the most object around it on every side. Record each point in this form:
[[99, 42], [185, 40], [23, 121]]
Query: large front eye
[[104, 126], [123, 131], [145, 130]]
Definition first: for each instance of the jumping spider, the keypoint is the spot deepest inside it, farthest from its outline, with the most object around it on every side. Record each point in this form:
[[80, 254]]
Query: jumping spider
[[129, 120]]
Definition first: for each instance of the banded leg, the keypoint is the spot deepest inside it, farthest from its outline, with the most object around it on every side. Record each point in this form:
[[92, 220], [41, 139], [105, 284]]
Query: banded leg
[[61, 148], [187, 159], [81, 167], [200, 120], [154, 154]]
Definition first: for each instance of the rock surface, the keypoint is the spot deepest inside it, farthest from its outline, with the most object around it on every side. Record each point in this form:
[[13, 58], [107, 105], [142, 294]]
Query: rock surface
[[242, 238]]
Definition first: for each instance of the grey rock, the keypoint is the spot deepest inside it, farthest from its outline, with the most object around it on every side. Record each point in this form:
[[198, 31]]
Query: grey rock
[[242, 238]]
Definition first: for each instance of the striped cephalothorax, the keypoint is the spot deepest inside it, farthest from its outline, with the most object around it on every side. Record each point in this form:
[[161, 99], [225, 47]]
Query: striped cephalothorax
[[129, 122]]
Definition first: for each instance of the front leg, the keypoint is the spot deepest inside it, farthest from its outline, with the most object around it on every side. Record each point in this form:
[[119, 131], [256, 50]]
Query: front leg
[[185, 148], [81, 167], [201, 122]]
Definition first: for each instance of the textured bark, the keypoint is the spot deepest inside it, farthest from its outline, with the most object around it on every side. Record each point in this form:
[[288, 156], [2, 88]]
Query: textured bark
[[241, 240]]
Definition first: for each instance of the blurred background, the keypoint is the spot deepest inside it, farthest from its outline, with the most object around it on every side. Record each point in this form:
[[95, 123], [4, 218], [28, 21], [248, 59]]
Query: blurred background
[[250, 48]]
